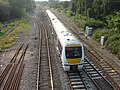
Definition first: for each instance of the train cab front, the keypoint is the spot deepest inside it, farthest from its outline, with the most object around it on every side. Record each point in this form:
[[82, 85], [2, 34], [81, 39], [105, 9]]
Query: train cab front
[[73, 58]]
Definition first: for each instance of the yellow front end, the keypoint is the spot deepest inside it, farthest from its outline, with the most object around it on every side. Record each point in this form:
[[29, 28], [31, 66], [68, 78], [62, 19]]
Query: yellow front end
[[73, 53], [73, 60]]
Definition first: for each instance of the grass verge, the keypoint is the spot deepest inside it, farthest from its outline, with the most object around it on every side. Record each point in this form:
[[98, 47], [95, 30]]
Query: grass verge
[[10, 39]]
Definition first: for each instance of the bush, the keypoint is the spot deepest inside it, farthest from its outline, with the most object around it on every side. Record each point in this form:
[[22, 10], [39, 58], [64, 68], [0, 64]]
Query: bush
[[69, 13], [100, 32], [112, 38], [94, 23], [114, 46], [118, 53], [113, 20]]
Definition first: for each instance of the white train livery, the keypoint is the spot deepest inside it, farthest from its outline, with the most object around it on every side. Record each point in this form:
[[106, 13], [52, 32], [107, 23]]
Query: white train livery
[[71, 49]]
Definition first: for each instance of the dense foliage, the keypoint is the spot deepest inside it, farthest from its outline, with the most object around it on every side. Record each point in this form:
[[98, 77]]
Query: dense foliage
[[102, 15], [112, 39], [11, 9]]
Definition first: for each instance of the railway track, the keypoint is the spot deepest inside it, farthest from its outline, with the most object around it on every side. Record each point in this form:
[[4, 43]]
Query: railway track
[[96, 75], [97, 80], [48, 77], [9, 31], [107, 68], [45, 77], [77, 80], [11, 75], [110, 71]]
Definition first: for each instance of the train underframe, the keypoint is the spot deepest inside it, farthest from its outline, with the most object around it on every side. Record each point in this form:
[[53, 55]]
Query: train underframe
[[72, 67]]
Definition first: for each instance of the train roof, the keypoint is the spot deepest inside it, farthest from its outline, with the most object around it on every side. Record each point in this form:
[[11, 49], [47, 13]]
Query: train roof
[[64, 35], [66, 38], [51, 15]]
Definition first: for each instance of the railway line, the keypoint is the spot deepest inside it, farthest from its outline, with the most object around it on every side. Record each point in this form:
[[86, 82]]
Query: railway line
[[46, 64], [77, 80], [97, 79], [110, 70], [54, 66], [44, 69], [96, 75], [107, 68], [9, 31], [11, 75]]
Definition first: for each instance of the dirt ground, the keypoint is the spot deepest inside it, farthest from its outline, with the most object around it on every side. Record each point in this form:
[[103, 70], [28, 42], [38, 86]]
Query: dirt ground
[[30, 57]]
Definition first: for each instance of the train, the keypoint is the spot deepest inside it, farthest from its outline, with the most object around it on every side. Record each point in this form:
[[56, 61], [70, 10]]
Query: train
[[70, 48]]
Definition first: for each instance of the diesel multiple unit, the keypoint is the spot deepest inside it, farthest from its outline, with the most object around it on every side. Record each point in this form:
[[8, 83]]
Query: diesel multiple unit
[[71, 49]]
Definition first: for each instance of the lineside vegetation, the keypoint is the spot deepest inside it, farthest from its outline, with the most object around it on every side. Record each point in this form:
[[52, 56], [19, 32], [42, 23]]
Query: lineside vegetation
[[12, 9], [11, 20], [102, 15], [7, 38]]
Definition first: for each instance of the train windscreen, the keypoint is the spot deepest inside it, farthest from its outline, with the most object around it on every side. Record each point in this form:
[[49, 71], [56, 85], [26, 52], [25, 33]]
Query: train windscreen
[[73, 52]]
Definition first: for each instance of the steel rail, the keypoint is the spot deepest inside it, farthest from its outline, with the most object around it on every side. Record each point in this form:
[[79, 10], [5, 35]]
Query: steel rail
[[18, 75], [80, 83], [103, 60], [15, 72], [52, 86], [9, 31], [96, 68], [17, 78], [16, 53], [44, 27], [10, 77], [4, 73], [100, 74], [105, 71], [39, 59], [23, 53]]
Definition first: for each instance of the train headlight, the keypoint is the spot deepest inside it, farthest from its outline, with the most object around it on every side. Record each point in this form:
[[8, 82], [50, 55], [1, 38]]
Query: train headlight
[[66, 68], [65, 62]]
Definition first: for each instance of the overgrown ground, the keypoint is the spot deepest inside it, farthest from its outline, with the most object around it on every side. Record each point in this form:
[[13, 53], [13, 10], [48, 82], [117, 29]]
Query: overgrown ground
[[9, 33]]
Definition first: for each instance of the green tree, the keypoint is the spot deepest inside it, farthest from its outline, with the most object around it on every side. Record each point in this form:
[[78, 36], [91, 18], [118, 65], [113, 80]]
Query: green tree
[[113, 20], [73, 5], [4, 11], [0, 26], [16, 8]]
